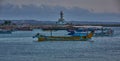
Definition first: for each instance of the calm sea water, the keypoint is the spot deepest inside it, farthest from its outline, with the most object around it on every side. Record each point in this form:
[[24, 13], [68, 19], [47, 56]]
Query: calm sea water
[[20, 46]]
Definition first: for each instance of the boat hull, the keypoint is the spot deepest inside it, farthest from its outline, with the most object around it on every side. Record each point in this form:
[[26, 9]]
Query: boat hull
[[83, 38], [65, 38]]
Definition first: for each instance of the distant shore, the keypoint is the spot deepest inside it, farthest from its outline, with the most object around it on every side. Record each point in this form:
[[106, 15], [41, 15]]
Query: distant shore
[[105, 25], [39, 24]]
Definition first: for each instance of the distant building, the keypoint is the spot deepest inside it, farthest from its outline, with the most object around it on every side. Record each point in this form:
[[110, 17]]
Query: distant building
[[61, 20]]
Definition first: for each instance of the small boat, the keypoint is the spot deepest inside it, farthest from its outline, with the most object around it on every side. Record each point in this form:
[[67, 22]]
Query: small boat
[[5, 31], [104, 32], [72, 37], [98, 30]]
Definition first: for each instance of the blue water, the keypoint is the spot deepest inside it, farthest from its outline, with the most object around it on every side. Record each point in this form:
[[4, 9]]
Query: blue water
[[20, 46]]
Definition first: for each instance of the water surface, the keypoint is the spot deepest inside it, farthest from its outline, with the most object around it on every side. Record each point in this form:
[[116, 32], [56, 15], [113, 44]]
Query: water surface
[[20, 46]]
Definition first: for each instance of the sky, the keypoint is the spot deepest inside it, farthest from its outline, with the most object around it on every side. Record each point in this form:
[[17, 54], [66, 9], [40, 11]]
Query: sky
[[93, 6]]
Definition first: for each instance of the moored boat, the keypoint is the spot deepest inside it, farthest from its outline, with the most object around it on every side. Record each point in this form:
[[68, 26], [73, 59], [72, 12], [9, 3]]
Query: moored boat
[[104, 32], [5, 31], [98, 30], [72, 37]]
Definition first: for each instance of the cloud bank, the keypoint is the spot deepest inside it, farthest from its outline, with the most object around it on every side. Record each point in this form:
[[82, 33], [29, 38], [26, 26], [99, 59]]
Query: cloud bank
[[95, 6], [51, 13]]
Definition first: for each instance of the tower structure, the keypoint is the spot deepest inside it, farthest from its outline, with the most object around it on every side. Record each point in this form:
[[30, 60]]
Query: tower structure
[[61, 20]]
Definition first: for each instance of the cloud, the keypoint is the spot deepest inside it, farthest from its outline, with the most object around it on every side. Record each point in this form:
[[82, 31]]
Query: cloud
[[118, 4], [95, 6], [50, 13], [1, 1]]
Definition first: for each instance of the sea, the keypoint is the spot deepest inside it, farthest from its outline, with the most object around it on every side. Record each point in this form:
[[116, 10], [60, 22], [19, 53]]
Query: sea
[[21, 46]]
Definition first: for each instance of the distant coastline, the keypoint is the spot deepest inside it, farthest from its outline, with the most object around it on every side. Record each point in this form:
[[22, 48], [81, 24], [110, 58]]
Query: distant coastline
[[36, 22]]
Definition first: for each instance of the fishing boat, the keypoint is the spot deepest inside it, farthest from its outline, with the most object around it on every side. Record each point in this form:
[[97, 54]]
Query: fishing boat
[[104, 32], [72, 37], [98, 30], [2, 31]]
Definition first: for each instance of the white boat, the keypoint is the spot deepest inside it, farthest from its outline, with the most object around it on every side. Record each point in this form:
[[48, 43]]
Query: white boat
[[99, 30]]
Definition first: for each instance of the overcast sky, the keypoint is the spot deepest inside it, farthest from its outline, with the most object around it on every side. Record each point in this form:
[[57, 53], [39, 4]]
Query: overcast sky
[[81, 10], [96, 6]]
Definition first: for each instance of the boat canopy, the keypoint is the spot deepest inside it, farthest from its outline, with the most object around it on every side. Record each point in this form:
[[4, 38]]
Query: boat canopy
[[80, 34]]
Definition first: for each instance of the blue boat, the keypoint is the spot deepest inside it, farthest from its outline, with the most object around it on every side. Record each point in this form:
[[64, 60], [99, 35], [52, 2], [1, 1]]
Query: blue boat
[[80, 33]]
